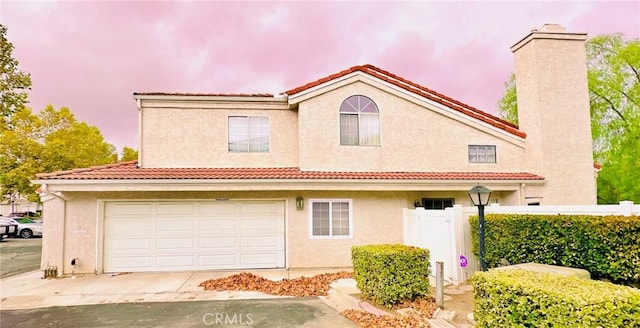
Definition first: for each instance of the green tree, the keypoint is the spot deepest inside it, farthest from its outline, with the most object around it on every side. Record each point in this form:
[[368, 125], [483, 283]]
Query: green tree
[[129, 154], [47, 141], [508, 104], [13, 82], [613, 72]]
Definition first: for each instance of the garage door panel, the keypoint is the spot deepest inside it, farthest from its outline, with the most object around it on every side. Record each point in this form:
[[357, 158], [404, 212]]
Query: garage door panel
[[129, 244], [217, 242], [162, 236], [129, 209], [217, 209], [175, 244], [128, 226], [176, 208], [175, 226], [261, 208], [218, 261], [258, 260], [217, 225], [132, 263], [258, 242], [173, 262], [259, 224]]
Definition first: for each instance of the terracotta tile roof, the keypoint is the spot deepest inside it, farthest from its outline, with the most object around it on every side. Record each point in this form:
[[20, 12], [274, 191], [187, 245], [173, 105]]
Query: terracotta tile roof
[[203, 94], [130, 171], [420, 90]]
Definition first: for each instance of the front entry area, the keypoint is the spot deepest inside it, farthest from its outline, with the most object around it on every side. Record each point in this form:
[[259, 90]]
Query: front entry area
[[193, 235]]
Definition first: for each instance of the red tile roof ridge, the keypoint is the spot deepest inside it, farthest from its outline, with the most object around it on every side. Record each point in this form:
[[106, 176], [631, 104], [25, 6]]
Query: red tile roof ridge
[[324, 79], [440, 95], [418, 89]]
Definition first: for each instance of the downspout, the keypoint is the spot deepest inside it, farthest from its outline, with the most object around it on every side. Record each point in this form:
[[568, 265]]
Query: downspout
[[45, 189], [523, 196]]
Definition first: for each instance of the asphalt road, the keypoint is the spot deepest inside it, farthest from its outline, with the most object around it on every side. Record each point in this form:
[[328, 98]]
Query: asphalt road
[[276, 313], [18, 255]]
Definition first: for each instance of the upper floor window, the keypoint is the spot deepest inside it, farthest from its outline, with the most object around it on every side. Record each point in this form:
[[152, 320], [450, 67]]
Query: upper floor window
[[359, 122], [248, 134], [482, 154]]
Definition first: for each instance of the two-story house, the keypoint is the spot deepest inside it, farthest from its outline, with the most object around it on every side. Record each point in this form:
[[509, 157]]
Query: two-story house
[[242, 181]]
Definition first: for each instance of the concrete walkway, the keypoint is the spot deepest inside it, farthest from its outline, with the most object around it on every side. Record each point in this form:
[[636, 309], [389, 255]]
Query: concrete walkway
[[30, 291]]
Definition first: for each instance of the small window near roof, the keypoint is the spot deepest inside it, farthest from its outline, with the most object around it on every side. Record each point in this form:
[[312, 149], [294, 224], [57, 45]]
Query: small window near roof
[[437, 203], [482, 154], [248, 134], [359, 122]]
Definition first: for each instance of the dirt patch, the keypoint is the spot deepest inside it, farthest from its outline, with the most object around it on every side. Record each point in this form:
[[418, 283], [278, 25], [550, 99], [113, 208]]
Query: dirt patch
[[408, 314], [461, 303], [370, 320]]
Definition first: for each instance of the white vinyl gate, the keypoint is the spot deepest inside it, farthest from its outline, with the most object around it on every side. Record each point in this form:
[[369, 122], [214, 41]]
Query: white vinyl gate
[[445, 234]]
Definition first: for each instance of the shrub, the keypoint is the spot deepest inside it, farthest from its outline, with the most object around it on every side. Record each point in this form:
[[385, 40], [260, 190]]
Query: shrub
[[519, 298], [389, 274], [606, 246]]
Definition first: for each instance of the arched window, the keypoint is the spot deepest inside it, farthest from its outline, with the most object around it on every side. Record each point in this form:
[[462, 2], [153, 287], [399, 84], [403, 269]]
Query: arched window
[[359, 122]]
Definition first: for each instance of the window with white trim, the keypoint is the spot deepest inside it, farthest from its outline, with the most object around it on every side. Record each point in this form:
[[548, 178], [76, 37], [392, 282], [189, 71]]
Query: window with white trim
[[330, 218], [482, 154], [359, 122], [248, 134]]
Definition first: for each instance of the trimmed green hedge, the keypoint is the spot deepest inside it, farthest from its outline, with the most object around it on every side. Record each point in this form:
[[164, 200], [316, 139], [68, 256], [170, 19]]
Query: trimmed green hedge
[[606, 246], [391, 273], [519, 298]]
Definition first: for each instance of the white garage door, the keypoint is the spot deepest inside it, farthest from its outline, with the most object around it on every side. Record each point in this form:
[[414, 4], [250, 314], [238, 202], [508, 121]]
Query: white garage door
[[173, 236]]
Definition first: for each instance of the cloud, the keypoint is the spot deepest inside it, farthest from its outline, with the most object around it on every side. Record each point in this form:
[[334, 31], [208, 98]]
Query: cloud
[[91, 56]]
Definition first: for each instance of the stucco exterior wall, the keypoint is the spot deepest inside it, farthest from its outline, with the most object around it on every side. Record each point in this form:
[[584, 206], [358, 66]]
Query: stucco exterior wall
[[413, 138], [198, 137], [377, 218], [53, 227]]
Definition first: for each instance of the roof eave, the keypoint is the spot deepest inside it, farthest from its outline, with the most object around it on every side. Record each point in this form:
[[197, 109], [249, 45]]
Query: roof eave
[[279, 184]]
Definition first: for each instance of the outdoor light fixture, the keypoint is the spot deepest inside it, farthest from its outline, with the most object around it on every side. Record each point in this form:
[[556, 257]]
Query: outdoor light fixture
[[299, 203], [480, 196]]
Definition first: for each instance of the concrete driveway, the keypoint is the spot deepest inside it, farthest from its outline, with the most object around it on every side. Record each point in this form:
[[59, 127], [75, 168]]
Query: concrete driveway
[[281, 312], [161, 299], [18, 255]]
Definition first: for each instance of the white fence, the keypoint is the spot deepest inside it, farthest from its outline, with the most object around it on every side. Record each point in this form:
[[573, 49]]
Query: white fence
[[446, 233]]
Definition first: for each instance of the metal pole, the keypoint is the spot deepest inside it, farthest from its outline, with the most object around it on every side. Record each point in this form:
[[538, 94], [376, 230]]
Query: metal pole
[[440, 285], [483, 266]]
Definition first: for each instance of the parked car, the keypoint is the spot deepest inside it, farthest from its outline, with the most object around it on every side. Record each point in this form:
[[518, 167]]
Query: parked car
[[7, 229], [25, 230], [28, 220], [27, 214]]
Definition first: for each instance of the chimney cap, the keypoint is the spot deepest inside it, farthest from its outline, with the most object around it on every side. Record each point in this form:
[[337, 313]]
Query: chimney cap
[[549, 32], [551, 28]]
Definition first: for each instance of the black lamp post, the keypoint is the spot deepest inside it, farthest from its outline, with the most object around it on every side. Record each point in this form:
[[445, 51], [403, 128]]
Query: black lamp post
[[480, 196]]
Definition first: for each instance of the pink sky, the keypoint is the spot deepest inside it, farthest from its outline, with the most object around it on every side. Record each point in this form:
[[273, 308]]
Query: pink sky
[[91, 56]]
